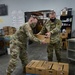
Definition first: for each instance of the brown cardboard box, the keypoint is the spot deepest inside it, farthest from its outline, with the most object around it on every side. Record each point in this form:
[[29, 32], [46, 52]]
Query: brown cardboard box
[[30, 68], [51, 68], [12, 30], [42, 37], [68, 30], [63, 69], [11, 33], [9, 30], [6, 27], [40, 68], [6, 33], [5, 30], [64, 35], [47, 68]]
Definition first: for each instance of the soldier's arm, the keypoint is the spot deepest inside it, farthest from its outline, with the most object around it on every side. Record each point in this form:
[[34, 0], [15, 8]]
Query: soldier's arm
[[43, 30], [30, 34], [58, 27]]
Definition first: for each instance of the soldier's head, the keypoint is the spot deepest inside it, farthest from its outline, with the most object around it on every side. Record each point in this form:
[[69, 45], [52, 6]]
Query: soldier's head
[[33, 21], [52, 15]]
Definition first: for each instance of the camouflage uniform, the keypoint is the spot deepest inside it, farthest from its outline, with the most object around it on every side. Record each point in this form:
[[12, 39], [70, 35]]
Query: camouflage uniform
[[55, 41], [18, 46]]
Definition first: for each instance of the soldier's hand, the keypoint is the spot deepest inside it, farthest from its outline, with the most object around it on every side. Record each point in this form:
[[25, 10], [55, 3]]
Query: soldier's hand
[[43, 41], [48, 34]]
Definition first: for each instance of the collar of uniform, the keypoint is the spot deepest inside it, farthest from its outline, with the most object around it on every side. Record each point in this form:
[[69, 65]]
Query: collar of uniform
[[53, 22], [27, 23]]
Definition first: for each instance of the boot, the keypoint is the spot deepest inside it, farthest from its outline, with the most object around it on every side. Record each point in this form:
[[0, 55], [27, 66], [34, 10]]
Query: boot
[[8, 74], [24, 70]]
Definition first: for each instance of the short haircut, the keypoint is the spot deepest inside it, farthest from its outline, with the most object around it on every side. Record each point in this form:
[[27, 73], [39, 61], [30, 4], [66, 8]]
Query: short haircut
[[35, 17]]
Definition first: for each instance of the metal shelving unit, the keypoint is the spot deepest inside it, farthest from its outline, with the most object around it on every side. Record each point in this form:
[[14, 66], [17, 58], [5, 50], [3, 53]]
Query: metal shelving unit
[[71, 49], [67, 23]]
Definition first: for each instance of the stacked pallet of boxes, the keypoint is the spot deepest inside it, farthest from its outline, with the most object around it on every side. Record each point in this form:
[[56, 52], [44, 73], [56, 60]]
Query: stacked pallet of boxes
[[12, 30], [9, 30], [6, 30], [36, 67]]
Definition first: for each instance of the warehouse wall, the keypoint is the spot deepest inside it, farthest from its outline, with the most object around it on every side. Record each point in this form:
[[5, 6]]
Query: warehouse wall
[[33, 5]]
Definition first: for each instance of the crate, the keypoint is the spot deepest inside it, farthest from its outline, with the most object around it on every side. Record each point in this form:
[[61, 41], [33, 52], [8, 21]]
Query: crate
[[40, 69], [51, 68], [63, 69], [43, 37], [47, 68], [30, 68]]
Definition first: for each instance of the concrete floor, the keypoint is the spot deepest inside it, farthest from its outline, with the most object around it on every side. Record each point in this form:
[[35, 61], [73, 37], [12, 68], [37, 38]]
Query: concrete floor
[[35, 51]]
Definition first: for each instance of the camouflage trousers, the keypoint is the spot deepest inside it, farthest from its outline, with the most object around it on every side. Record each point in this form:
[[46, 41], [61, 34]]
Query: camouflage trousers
[[57, 48], [16, 52]]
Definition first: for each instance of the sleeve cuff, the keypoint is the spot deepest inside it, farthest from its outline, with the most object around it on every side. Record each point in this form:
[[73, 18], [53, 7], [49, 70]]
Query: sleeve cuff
[[51, 32]]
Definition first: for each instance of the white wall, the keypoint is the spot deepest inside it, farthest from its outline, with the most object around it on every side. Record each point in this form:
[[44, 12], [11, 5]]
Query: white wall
[[32, 5]]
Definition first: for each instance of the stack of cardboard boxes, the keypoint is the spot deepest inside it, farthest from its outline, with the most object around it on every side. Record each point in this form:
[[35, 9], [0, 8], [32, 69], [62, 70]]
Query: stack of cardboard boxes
[[64, 37], [6, 30], [37, 67], [9, 30], [12, 30]]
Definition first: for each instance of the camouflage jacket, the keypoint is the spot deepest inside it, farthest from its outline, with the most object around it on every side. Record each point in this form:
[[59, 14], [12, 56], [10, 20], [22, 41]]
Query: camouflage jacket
[[24, 32], [54, 28]]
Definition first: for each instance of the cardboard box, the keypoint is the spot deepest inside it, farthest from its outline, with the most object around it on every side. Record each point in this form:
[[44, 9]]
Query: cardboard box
[[68, 30], [6, 27], [63, 69], [51, 68], [47, 68], [31, 74], [30, 68], [6, 33], [43, 37], [9, 30], [64, 35], [11, 33], [12, 30], [40, 68]]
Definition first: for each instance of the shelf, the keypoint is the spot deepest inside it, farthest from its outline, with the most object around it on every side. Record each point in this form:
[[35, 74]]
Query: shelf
[[71, 58], [66, 22], [66, 26], [71, 50], [71, 55], [67, 16], [72, 40]]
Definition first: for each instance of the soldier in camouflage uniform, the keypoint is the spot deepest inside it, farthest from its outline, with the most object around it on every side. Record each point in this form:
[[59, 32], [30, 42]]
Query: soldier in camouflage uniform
[[52, 29], [18, 44]]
